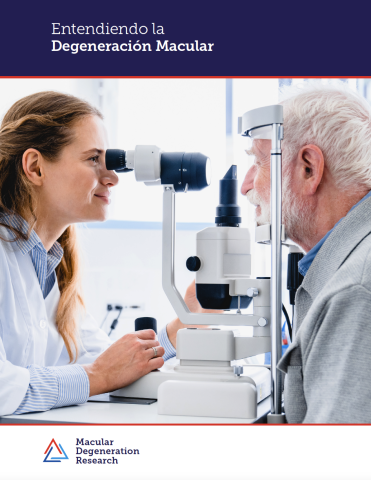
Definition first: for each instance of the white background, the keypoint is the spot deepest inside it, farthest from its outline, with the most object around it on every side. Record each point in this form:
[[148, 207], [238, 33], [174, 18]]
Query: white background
[[193, 452]]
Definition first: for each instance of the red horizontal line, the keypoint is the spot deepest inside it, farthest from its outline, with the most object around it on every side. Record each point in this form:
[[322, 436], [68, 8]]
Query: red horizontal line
[[185, 424], [159, 76]]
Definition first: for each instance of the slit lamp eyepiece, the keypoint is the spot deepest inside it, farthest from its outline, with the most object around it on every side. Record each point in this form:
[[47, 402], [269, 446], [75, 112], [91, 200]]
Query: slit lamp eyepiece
[[184, 171], [116, 160]]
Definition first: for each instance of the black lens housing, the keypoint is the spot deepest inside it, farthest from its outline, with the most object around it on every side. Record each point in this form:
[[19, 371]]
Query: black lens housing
[[228, 213], [116, 160], [185, 171]]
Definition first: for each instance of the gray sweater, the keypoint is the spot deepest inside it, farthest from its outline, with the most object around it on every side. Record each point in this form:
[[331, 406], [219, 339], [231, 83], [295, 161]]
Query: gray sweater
[[328, 365]]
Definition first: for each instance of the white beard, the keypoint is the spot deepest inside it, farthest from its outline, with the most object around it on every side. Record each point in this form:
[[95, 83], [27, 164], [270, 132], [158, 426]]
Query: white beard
[[297, 216], [263, 211]]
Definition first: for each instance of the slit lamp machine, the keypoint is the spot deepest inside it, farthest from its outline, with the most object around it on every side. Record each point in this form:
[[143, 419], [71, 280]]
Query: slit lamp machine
[[205, 383]]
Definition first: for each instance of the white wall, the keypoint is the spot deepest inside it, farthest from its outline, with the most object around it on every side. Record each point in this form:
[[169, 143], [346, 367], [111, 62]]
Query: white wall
[[13, 89], [177, 115]]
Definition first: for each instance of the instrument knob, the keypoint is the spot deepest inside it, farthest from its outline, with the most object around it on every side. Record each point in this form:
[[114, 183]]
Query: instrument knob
[[193, 264]]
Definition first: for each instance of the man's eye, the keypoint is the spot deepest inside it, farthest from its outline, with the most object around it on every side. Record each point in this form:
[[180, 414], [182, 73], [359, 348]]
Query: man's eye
[[94, 159]]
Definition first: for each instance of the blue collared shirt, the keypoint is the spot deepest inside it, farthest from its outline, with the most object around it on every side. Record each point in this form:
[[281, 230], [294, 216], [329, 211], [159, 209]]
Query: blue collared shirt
[[307, 260], [44, 262]]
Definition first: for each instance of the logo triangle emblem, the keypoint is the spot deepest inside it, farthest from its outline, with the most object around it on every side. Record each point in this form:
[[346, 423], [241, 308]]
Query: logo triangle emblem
[[59, 449]]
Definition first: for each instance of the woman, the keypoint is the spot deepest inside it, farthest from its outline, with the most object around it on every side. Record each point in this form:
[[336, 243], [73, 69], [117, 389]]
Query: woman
[[53, 175]]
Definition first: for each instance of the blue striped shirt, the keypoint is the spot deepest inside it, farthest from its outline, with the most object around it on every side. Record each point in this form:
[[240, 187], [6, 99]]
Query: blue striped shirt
[[49, 387], [44, 262], [165, 342]]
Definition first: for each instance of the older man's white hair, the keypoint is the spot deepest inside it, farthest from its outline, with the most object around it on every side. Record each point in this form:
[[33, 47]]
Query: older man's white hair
[[338, 121]]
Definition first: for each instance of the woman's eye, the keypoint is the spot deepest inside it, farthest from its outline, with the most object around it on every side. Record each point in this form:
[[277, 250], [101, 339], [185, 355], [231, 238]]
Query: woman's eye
[[94, 159]]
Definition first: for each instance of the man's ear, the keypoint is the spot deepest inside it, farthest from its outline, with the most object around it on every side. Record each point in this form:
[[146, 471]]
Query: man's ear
[[311, 167], [32, 162]]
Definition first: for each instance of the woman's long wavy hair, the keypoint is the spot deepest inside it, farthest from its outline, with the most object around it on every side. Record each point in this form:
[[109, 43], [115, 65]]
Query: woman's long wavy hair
[[44, 121]]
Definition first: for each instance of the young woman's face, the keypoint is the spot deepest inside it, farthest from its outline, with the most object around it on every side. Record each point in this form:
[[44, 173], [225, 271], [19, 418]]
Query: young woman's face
[[77, 186]]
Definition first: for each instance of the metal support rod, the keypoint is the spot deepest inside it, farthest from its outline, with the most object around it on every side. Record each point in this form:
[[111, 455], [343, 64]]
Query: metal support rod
[[276, 274]]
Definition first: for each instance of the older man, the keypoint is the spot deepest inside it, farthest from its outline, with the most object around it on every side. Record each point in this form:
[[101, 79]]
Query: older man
[[327, 211]]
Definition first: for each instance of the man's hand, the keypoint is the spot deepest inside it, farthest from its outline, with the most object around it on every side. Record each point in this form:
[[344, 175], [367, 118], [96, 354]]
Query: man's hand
[[128, 359], [194, 306]]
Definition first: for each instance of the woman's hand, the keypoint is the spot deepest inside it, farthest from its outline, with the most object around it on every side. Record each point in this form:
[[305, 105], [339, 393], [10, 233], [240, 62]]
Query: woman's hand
[[194, 306], [128, 359]]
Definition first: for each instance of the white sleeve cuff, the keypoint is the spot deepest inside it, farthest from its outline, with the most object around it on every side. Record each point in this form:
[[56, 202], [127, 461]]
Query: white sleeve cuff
[[165, 342]]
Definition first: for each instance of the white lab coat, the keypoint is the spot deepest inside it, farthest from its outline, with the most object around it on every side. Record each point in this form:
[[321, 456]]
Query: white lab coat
[[28, 334]]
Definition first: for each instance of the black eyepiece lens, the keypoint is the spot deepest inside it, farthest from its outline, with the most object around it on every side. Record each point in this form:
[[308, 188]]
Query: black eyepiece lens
[[115, 159]]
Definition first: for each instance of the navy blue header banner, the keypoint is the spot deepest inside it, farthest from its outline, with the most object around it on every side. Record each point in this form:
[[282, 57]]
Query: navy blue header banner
[[190, 38]]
